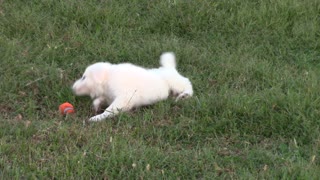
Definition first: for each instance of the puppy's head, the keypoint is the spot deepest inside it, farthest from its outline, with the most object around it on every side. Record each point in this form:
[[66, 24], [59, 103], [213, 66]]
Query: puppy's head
[[92, 81]]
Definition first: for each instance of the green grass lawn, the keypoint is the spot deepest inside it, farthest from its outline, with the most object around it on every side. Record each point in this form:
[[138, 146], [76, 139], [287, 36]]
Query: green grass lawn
[[254, 65]]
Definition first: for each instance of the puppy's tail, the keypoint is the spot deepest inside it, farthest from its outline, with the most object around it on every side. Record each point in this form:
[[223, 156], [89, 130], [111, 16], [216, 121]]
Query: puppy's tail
[[168, 60]]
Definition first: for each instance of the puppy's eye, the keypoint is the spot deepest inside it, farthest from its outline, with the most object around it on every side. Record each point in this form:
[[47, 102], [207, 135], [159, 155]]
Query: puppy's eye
[[83, 78]]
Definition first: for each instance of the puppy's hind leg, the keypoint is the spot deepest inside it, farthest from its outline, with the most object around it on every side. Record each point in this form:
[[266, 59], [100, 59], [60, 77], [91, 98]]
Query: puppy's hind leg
[[119, 104], [183, 88], [183, 95]]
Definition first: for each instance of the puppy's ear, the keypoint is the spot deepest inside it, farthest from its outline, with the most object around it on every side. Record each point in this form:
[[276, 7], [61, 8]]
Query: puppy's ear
[[100, 75]]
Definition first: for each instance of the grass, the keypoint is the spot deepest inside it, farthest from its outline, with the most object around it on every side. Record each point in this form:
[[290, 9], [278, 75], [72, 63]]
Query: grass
[[255, 67]]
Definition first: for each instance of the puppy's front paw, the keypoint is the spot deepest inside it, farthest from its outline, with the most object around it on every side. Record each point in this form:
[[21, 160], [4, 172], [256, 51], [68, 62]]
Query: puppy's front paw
[[95, 119], [100, 117]]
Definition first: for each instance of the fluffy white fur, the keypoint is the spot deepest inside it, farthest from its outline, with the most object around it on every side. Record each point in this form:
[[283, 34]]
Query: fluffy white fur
[[125, 86]]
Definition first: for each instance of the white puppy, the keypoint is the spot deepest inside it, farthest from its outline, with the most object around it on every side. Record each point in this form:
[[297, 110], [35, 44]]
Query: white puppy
[[125, 86]]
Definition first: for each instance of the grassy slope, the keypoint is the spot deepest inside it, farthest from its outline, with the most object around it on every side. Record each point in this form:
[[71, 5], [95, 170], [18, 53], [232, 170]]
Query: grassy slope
[[254, 66]]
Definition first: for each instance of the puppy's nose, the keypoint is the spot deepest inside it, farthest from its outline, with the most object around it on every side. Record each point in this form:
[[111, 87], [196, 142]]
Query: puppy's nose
[[73, 88]]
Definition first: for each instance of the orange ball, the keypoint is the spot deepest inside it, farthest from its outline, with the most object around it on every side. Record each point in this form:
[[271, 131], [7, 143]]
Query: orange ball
[[66, 108]]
